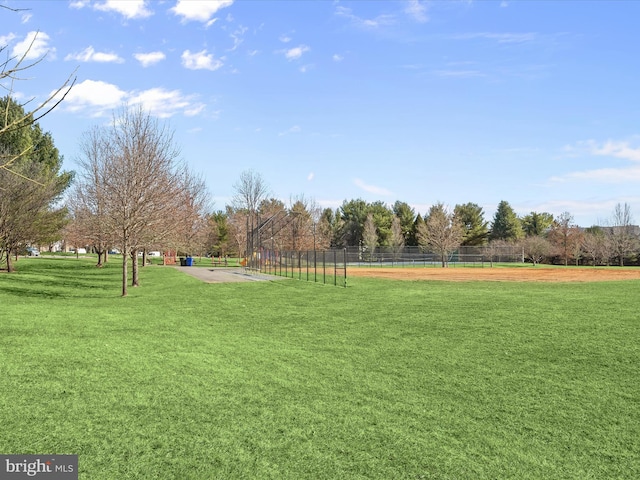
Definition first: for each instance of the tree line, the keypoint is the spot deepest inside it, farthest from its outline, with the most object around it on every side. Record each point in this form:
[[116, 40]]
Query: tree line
[[541, 236]]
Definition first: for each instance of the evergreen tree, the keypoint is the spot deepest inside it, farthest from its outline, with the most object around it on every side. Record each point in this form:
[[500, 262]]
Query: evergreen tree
[[476, 230], [506, 224], [536, 224]]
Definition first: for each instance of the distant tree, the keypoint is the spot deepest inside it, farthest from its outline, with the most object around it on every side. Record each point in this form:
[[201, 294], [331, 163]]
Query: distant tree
[[353, 214], [416, 228], [219, 239], [370, 237], [301, 223], [564, 236], [621, 237], [536, 224], [330, 226], [397, 239], [407, 216], [249, 192], [536, 248], [88, 201], [382, 218], [506, 225], [237, 221], [442, 232], [577, 241], [273, 215], [594, 245], [476, 230]]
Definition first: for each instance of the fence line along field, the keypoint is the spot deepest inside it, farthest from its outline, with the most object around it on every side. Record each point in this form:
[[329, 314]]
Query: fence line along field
[[503, 274]]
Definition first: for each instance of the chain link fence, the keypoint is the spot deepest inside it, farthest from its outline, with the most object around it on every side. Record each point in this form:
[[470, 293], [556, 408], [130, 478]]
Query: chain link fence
[[418, 256], [327, 266]]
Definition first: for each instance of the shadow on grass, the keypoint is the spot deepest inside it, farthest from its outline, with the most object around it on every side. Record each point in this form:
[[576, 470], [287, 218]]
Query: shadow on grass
[[47, 280]]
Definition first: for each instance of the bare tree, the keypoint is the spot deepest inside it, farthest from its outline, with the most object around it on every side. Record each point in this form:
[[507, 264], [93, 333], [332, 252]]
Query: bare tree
[[536, 248], [623, 241], [594, 245], [561, 236], [128, 180], [441, 232], [250, 190], [397, 236], [370, 236], [87, 202], [193, 204]]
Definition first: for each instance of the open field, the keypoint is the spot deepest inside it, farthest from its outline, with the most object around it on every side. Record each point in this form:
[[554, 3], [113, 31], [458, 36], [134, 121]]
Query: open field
[[294, 380], [528, 273]]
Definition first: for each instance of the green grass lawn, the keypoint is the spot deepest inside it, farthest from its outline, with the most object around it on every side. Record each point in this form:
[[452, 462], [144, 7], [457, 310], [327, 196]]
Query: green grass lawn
[[296, 380]]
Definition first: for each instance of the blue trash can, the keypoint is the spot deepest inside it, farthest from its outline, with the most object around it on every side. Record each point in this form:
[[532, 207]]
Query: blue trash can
[[189, 262]]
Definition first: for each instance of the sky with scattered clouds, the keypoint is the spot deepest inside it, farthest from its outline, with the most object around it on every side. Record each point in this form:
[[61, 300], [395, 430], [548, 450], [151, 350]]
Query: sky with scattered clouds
[[532, 102]]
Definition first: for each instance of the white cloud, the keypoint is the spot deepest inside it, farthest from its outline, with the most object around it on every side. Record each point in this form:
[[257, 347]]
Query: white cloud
[[35, 45], [417, 10], [129, 9], [285, 38], [166, 103], [311, 176], [26, 17], [294, 129], [499, 37], [97, 99], [90, 55], [95, 96], [371, 188], [6, 39], [199, 10], [616, 149], [368, 23], [78, 4], [150, 58], [200, 61], [296, 52], [237, 37], [306, 68], [459, 73], [337, 57]]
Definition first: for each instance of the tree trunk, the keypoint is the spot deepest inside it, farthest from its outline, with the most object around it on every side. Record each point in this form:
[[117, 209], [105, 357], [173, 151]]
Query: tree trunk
[[134, 268], [9, 264], [125, 259]]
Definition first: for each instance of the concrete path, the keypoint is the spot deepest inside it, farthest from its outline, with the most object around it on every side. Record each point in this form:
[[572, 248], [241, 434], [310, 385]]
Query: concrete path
[[226, 275]]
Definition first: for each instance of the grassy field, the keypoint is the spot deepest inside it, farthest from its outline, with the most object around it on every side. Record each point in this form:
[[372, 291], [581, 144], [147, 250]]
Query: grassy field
[[295, 380]]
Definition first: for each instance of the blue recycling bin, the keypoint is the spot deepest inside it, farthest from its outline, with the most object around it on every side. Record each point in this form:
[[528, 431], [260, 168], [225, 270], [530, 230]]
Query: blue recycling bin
[[189, 262]]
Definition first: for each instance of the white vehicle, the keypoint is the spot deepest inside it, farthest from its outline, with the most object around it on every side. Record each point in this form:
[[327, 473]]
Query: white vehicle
[[154, 254]]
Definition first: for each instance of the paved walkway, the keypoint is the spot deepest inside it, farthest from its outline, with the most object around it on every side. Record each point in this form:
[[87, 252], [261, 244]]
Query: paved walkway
[[226, 275]]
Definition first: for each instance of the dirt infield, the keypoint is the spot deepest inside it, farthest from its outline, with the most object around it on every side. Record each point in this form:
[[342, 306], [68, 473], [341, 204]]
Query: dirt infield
[[500, 274]]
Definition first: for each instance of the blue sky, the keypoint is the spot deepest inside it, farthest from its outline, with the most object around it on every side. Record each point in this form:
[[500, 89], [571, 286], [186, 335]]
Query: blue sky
[[532, 102]]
